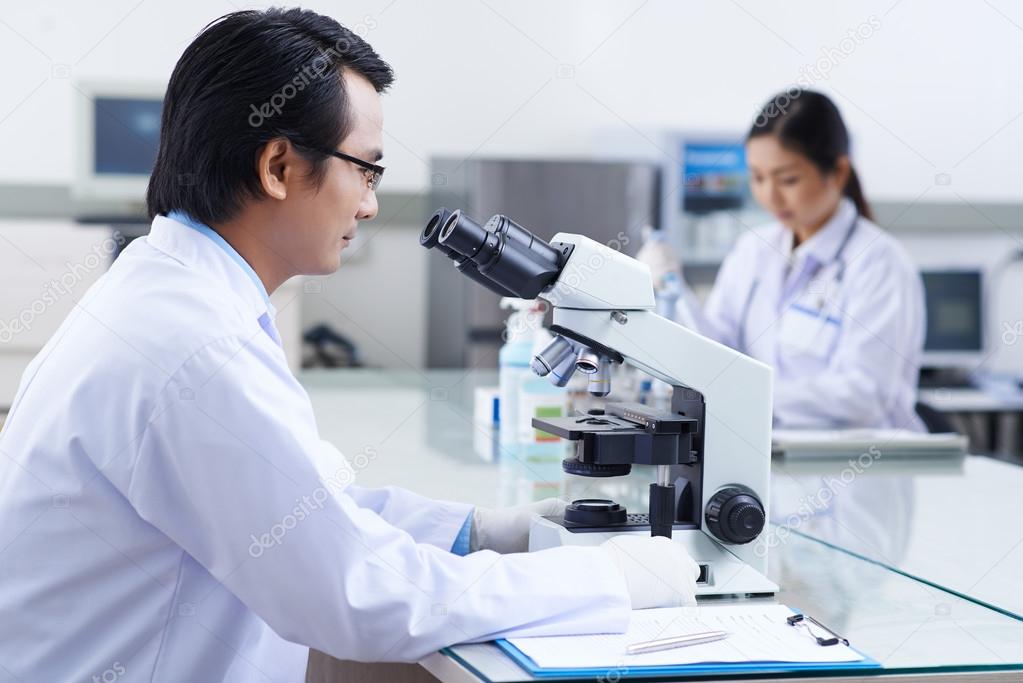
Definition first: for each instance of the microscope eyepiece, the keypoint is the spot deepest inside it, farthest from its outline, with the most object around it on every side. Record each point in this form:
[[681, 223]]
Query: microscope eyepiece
[[428, 238], [463, 235], [508, 255], [518, 259]]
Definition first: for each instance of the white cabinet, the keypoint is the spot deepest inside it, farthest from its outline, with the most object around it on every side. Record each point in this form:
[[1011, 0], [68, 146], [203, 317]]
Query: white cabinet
[[46, 266]]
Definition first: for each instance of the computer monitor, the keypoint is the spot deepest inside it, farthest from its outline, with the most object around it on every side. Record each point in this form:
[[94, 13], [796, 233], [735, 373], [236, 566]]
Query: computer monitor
[[955, 318], [713, 172], [118, 132]]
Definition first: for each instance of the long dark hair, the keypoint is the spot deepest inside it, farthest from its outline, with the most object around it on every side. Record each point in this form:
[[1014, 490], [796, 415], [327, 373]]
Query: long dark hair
[[809, 123]]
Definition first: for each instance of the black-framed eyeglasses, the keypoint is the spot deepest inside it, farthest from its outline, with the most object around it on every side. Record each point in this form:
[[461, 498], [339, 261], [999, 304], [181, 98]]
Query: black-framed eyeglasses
[[374, 173]]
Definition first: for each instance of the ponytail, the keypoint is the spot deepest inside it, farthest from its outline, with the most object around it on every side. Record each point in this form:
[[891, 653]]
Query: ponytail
[[854, 192]]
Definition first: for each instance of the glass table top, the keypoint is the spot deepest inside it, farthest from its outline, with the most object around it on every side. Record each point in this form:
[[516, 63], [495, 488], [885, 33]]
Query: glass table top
[[918, 564]]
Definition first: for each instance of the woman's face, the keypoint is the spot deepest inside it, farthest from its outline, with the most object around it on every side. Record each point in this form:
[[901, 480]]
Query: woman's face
[[791, 187]]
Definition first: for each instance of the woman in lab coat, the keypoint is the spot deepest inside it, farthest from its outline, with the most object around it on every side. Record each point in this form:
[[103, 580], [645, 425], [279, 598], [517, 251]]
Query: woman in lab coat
[[822, 294], [168, 511]]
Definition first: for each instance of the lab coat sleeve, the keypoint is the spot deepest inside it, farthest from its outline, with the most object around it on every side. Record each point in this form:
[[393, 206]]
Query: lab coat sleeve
[[882, 322], [231, 468], [426, 520], [718, 318]]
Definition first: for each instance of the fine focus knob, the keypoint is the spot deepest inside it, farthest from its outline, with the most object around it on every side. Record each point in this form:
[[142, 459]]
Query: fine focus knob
[[735, 515]]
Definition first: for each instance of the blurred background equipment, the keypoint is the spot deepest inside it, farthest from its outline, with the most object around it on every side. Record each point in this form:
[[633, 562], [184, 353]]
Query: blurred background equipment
[[118, 133], [955, 339], [609, 202]]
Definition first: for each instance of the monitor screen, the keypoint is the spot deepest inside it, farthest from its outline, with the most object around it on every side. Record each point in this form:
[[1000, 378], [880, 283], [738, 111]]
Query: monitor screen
[[714, 176], [126, 135], [954, 311]]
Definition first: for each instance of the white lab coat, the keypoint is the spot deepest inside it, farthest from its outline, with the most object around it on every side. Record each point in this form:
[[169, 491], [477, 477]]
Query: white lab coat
[[168, 511], [845, 350]]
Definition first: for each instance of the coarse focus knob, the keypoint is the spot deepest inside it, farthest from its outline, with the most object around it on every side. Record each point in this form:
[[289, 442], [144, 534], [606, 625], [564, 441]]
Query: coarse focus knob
[[735, 515]]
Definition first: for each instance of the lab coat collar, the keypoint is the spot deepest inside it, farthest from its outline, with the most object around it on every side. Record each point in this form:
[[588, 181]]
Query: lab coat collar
[[824, 244], [199, 246]]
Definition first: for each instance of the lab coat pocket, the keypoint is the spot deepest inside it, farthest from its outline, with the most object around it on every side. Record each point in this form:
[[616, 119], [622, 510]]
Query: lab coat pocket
[[806, 332]]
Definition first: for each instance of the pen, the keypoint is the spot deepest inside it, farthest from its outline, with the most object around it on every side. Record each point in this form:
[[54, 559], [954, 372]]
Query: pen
[[676, 641]]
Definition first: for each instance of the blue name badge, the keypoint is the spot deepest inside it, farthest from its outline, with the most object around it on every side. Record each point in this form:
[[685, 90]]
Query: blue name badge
[[805, 330]]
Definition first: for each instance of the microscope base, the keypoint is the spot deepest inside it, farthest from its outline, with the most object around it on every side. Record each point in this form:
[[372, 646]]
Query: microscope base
[[721, 572]]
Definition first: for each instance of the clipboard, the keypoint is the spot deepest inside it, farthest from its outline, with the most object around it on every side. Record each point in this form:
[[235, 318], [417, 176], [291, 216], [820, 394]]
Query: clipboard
[[779, 615]]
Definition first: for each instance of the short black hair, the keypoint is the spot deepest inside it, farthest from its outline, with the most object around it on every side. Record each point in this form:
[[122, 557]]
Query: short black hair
[[250, 77]]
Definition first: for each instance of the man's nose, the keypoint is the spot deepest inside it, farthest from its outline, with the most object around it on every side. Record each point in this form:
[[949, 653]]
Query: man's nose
[[369, 207]]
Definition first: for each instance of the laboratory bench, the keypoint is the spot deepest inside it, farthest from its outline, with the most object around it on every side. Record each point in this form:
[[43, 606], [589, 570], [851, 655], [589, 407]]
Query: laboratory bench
[[919, 563]]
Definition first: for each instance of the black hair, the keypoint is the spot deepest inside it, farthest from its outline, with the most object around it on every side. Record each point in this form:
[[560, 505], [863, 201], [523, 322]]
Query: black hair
[[810, 124], [248, 78]]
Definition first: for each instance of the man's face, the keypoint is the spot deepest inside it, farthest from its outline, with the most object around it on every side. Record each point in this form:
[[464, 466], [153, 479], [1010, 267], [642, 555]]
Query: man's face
[[322, 221]]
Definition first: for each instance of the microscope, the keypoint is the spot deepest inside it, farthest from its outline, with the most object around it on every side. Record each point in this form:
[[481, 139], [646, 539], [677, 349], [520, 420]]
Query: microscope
[[711, 451]]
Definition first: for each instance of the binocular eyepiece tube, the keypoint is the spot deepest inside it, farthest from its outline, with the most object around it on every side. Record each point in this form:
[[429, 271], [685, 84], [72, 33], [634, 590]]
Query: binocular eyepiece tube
[[509, 260], [502, 255], [430, 239]]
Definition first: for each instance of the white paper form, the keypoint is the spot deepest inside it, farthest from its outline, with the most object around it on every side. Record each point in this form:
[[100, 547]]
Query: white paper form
[[759, 633]]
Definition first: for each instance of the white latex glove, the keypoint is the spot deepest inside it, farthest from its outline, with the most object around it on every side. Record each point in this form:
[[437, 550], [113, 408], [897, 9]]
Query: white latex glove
[[660, 257], [658, 571], [506, 530]]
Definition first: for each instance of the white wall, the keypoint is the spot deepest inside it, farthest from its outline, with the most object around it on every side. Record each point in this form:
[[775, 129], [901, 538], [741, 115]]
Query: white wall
[[936, 87]]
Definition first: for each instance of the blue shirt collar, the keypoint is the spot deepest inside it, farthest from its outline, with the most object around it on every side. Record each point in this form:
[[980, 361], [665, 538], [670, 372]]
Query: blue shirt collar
[[185, 219]]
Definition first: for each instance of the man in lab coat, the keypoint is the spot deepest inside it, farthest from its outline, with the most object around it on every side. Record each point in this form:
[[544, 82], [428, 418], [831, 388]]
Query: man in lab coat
[[168, 511]]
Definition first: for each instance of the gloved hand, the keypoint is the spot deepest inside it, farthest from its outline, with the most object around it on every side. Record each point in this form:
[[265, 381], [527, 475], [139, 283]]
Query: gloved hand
[[658, 571], [506, 530], [659, 256]]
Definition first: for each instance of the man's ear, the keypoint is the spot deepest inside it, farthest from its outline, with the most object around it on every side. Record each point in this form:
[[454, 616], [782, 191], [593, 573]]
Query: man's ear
[[275, 167]]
